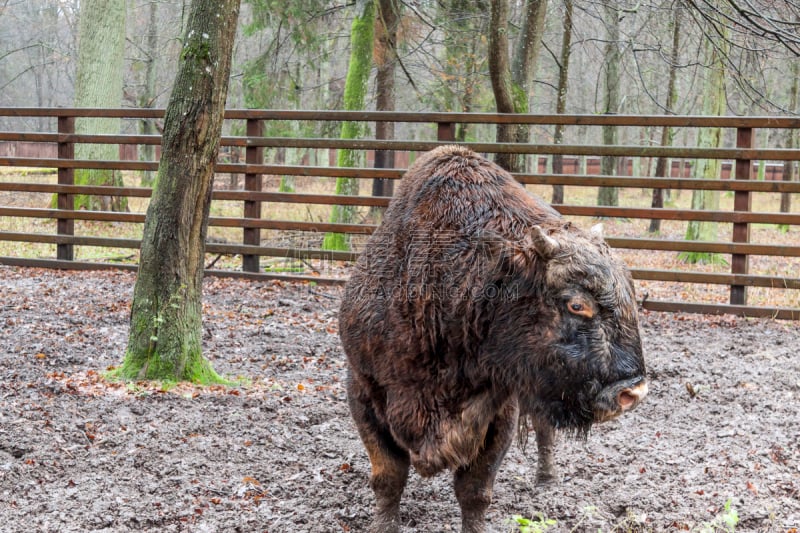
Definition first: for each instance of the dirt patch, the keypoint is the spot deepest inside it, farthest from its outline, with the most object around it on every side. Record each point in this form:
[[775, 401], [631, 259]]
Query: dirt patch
[[281, 454]]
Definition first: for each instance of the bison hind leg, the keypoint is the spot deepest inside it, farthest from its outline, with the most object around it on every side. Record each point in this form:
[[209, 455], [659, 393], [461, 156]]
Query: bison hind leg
[[389, 463], [473, 483]]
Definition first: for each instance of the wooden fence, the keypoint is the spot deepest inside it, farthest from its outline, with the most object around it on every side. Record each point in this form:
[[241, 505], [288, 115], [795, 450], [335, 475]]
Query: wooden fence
[[438, 128]]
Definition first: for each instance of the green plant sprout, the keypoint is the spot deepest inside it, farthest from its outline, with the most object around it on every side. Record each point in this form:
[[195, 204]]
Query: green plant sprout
[[725, 521], [527, 525]]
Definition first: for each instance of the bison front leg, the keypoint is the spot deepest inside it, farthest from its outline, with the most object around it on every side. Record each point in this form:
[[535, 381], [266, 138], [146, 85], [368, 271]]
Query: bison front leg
[[545, 446], [389, 465], [473, 483]]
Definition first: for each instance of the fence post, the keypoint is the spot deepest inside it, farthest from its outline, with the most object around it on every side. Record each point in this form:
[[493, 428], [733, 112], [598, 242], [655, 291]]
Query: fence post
[[66, 176], [446, 131], [741, 202], [254, 155]]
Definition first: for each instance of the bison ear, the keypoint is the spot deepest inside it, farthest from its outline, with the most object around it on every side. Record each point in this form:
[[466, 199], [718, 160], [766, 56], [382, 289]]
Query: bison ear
[[545, 245], [597, 229]]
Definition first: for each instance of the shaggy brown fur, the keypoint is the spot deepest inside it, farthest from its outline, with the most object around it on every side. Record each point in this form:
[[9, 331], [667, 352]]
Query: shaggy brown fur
[[472, 303]]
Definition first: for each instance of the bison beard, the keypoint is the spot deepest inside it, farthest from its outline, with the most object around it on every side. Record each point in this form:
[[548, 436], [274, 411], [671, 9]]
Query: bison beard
[[473, 305]]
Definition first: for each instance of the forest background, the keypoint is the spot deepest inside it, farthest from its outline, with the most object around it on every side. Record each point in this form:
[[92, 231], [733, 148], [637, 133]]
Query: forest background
[[294, 55], [685, 57]]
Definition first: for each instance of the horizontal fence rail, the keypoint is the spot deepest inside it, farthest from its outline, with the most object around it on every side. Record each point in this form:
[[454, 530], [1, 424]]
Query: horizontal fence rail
[[273, 223]]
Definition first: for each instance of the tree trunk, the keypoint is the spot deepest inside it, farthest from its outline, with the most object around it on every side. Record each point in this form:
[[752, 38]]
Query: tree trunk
[[512, 84], [355, 91], [608, 164], [662, 163], [791, 140], [98, 83], [385, 60], [523, 69], [464, 55], [147, 99], [714, 104], [499, 69], [166, 327], [561, 102]]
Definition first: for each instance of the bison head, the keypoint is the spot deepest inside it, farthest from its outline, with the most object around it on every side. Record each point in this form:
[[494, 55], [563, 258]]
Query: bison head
[[578, 337]]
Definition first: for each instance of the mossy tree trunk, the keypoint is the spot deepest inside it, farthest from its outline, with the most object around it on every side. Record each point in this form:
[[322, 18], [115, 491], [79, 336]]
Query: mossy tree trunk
[[362, 34], [98, 83], [166, 329], [511, 77], [714, 102]]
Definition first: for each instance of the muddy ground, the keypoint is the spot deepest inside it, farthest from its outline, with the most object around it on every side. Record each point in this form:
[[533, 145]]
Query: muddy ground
[[280, 453]]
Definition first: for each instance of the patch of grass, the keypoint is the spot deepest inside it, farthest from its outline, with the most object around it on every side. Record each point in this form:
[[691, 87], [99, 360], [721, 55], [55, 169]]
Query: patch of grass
[[703, 258], [536, 525], [27, 171], [541, 523], [726, 521]]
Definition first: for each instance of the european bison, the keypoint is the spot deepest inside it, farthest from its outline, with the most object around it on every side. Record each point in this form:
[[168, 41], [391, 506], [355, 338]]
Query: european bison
[[472, 305]]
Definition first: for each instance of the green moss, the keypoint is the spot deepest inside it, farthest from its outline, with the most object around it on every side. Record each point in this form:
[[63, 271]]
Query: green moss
[[336, 241], [520, 98], [361, 38], [197, 370], [286, 184], [197, 49], [93, 202]]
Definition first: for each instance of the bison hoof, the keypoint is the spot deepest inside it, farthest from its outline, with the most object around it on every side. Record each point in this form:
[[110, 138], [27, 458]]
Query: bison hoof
[[546, 477], [384, 526]]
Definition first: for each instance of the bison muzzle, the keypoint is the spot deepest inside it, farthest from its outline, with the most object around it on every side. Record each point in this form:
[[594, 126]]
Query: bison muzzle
[[473, 306]]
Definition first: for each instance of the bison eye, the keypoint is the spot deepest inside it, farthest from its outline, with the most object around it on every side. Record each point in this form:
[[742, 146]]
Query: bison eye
[[580, 307]]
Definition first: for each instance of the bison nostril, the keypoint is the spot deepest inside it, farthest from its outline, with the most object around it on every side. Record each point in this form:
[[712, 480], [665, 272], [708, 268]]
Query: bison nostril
[[628, 398]]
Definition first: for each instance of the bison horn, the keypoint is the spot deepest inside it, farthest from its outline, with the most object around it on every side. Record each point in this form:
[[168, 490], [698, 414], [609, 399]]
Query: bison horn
[[545, 245]]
